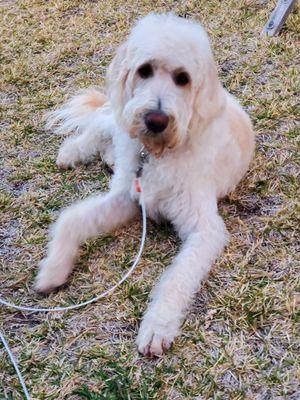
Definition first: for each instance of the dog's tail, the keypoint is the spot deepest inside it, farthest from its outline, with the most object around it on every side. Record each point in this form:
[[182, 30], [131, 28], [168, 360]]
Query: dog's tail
[[73, 115]]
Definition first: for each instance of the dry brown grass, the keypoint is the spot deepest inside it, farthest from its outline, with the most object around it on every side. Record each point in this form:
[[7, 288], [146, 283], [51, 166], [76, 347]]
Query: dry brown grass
[[239, 341]]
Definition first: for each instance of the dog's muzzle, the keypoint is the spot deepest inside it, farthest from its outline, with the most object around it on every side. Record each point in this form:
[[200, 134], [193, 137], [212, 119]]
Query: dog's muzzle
[[158, 131], [156, 121]]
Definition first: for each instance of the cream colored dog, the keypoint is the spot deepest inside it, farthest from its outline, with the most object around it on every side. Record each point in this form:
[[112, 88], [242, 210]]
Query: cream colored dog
[[164, 94]]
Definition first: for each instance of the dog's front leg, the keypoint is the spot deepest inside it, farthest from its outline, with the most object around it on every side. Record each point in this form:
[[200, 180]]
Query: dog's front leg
[[173, 294], [76, 224]]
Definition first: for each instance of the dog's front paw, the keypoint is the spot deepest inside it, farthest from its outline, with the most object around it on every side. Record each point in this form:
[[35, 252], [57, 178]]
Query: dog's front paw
[[68, 155], [155, 337], [51, 276]]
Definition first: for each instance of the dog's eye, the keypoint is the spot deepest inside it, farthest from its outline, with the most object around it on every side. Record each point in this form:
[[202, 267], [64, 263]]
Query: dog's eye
[[145, 71], [181, 79]]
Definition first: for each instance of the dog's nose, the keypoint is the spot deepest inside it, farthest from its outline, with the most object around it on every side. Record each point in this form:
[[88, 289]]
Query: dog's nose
[[156, 121]]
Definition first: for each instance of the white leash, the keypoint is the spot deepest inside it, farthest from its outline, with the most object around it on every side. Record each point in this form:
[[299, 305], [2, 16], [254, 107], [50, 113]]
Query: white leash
[[75, 306], [14, 363]]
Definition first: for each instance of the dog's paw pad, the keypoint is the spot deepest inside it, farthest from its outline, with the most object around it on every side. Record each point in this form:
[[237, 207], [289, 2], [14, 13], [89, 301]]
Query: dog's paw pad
[[153, 341]]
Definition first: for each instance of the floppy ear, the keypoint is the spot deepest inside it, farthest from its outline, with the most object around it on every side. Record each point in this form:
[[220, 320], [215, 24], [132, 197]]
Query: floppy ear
[[210, 95], [117, 75]]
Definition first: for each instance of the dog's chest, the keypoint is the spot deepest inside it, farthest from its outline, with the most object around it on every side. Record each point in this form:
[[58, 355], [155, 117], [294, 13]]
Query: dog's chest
[[165, 186]]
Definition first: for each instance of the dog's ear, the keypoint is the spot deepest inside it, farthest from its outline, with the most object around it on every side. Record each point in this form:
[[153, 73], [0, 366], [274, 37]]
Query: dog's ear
[[117, 75], [209, 97]]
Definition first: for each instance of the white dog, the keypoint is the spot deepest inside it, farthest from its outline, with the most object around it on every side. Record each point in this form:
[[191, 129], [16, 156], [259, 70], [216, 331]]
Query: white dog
[[163, 94]]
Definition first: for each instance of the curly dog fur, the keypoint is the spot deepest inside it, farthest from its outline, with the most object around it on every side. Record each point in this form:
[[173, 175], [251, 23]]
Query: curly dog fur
[[163, 93]]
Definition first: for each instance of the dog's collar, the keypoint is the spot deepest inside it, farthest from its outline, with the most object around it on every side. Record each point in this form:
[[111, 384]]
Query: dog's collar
[[143, 158]]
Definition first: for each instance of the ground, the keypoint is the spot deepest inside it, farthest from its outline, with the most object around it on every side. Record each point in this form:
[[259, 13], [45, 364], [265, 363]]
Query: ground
[[239, 340]]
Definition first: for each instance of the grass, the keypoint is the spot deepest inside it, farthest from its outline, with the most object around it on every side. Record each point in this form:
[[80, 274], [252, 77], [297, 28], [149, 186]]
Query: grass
[[240, 338]]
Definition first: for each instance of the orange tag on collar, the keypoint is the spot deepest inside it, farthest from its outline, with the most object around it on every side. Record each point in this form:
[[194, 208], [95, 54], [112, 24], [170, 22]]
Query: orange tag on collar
[[137, 185]]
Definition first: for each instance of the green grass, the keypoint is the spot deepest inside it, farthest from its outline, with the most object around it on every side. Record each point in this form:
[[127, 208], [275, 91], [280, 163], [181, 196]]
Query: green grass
[[240, 338]]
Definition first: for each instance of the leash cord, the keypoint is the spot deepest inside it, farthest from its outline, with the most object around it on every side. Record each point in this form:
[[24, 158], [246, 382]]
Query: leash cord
[[75, 306], [14, 363]]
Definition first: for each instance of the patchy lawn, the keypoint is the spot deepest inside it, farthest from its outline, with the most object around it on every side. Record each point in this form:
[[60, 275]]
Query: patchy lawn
[[239, 340]]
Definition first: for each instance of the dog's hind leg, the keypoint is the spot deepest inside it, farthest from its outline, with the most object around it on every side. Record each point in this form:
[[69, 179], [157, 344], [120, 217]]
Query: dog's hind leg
[[89, 116]]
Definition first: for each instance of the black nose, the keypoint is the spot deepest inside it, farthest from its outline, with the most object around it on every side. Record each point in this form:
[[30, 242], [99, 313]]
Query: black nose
[[156, 121]]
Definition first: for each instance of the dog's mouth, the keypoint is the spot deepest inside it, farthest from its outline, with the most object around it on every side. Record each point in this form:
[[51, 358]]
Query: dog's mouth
[[156, 143]]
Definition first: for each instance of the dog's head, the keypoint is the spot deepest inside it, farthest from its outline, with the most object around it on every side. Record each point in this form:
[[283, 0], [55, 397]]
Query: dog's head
[[162, 80]]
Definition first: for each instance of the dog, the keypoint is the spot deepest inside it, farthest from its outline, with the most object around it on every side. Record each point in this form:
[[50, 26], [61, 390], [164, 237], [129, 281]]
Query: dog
[[163, 95]]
